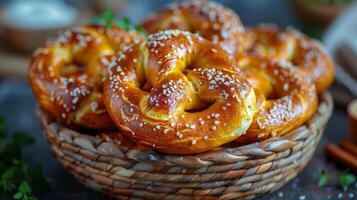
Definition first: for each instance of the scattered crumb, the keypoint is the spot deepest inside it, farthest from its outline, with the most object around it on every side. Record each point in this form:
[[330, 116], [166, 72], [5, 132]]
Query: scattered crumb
[[302, 197], [340, 195], [280, 194], [350, 195]]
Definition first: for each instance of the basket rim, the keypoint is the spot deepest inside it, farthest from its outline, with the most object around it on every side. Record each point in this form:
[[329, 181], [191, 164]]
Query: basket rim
[[56, 133]]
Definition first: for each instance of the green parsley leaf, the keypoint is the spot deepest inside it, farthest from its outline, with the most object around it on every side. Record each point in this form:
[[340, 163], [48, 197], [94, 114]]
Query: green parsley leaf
[[6, 181], [323, 178], [16, 176], [18, 195], [346, 179], [109, 18], [25, 188], [141, 30], [9, 173], [24, 192], [124, 23]]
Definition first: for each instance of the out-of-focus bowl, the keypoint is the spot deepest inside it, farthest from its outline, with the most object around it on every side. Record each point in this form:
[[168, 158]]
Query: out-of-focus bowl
[[27, 24], [317, 14]]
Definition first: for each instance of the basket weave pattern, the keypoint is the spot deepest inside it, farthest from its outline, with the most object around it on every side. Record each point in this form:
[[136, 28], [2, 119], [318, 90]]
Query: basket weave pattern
[[227, 173]]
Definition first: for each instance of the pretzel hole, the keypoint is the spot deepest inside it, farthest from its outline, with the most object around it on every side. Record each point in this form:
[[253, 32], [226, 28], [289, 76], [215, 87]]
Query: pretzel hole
[[72, 69], [146, 86], [201, 106]]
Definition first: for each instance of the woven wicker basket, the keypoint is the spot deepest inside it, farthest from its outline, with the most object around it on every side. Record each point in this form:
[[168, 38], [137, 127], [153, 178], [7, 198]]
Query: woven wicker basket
[[227, 173]]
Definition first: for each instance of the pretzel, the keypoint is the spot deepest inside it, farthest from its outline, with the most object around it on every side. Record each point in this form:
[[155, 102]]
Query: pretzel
[[66, 75], [211, 20], [193, 90], [285, 98], [222, 26], [291, 46]]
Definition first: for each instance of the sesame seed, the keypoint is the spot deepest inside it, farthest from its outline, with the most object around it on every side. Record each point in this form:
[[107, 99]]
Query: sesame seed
[[179, 135], [166, 130], [94, 105], [213, 128], [286, 86]]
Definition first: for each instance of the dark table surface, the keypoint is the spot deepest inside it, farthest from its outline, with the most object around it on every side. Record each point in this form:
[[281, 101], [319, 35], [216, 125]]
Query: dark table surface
[[17, 104]]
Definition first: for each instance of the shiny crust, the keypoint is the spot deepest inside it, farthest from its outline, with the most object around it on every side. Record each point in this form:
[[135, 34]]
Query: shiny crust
[[292, 46], [289, 101], [222, 26], [211, 20], [178, 92], [184, 71], [66, 75]]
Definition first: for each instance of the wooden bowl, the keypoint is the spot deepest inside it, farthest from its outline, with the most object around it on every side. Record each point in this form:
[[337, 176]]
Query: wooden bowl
[[247, 171]]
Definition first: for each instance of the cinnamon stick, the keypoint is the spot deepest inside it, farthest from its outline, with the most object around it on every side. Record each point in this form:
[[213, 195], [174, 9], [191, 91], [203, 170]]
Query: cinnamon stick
[[341, 156], [350, 147]]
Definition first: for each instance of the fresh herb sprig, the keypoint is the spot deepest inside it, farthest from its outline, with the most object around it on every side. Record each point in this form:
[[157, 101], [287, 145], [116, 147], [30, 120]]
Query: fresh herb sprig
[[17, 178], [345, 179], [108, 19], [324, 179]]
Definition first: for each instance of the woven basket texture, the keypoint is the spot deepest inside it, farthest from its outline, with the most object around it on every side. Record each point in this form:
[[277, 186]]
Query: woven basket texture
[[243, 172]]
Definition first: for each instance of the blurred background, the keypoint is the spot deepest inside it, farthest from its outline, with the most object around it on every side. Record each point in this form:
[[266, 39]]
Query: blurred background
[[27, 24]]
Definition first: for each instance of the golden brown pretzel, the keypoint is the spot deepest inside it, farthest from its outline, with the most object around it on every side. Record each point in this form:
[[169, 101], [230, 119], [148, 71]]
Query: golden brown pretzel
[[292, 46], [183, 71], [210, 19], [288, 100], [67, 74]]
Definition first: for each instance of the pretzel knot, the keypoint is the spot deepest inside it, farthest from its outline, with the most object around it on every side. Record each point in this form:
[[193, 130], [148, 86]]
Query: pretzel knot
[[178, 93], [223, 27], [67, 74], [289, 45], [285, 99], [211, 20]]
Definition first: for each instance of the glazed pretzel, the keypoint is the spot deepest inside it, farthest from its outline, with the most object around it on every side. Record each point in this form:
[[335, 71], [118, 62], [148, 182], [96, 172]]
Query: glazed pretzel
[[210, 19], [285, 98], [183, 71], [221, 25], [67, 74], [292, 46]]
